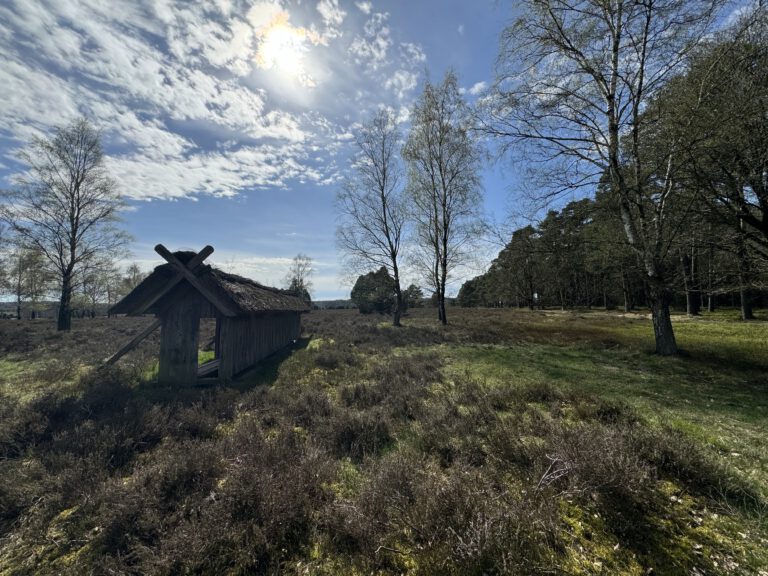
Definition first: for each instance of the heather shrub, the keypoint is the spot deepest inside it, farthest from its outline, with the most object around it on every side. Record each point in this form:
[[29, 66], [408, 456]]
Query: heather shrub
[[332, 357], [398, 384], [595, 459], [445, 521], [359, 434]]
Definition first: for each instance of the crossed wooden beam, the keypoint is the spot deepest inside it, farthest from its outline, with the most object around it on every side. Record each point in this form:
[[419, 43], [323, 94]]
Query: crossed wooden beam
[[183, 272]]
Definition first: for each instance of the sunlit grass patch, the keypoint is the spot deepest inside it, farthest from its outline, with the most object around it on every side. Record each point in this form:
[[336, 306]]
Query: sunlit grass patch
[[726, 410], [25, 380], [204, 356]]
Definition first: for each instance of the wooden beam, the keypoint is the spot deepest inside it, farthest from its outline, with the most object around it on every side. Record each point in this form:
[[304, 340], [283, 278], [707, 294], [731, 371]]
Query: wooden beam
[[179, 338], [208, 368], [192, 264], [224, 307], [133, 343]]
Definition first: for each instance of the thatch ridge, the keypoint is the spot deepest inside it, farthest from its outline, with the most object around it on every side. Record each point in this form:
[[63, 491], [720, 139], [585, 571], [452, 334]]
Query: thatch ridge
[[251, 296], [247, 295]]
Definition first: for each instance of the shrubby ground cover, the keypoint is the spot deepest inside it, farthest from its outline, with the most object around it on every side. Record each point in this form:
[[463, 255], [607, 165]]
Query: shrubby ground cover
[[509, 442]]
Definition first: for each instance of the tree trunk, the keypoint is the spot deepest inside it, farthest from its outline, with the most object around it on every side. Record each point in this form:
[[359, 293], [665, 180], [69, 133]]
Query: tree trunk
[[663, 333], [745, 278], [692, 294], [19, 274], [441, 306], [626, 292], [710, 274], [65, 309], [746, 302], [398, 305]]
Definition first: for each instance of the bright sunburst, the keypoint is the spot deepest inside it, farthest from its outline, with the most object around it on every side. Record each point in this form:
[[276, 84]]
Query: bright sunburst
[[283, 48]]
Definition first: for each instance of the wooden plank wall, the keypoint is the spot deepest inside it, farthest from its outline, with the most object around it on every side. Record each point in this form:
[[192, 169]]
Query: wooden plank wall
[[179, 336], [245, 341]]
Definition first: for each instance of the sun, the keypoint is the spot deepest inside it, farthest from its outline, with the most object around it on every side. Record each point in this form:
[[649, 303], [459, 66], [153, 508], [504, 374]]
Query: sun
[[284, 48], [281, 48]]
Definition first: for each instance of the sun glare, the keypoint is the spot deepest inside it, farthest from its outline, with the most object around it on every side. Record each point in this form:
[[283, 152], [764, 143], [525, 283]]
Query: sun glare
[[283, 48]]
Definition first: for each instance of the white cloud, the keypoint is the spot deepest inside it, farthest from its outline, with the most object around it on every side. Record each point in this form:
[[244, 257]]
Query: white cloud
[[33, 100], [401, 83], [372, 48], [331, 13], [175, 87], [264, 12], [477, 88], [364, 7], [412, 53], [460, 29], [218, 173]]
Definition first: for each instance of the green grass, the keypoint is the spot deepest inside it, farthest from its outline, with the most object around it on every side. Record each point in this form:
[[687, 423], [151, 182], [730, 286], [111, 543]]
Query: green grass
[[204, 356], [24, 380], [727, 411]]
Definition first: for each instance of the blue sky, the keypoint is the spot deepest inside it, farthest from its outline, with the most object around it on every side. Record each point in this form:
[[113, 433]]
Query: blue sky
[[231, 123]]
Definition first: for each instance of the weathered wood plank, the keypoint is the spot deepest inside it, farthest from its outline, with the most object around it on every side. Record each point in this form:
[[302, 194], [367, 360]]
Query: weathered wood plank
[[222, 306], [135, 341], [191, 265], [245, 341], [178, 345], [227, 352], [208, 368]]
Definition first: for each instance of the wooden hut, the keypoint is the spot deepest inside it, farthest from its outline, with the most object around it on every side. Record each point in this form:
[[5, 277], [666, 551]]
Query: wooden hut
[[252, 321]]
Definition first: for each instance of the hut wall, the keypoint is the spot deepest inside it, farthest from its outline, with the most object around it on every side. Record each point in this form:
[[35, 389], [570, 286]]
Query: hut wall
[[246, 340]]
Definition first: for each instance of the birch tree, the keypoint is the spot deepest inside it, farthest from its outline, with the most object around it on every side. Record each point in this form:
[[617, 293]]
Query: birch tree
[[66, 206], [443, 184], [370, 206], [298, 280]]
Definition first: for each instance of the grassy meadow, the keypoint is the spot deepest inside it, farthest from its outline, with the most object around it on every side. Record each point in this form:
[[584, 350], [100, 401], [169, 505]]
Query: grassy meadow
[[509, 442]]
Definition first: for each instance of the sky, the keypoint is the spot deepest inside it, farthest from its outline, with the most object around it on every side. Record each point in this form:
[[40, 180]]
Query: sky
[[231, 123]]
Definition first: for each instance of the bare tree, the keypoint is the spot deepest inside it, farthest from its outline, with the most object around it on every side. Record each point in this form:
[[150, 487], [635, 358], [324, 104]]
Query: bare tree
[[66, 205], [298, 281], [370, 205], [443, 184], [575, 79], [27, 279], [97, 284]]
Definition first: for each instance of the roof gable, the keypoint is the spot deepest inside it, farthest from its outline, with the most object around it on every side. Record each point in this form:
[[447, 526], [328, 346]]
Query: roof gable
[[230, 294]]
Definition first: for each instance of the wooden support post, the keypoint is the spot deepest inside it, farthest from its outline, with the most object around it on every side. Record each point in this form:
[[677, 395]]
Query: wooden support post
[[178, 346], [133, 343], [226, 332]]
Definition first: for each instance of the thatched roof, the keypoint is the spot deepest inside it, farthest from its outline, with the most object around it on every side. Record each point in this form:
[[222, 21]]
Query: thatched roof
[[242, 295]]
